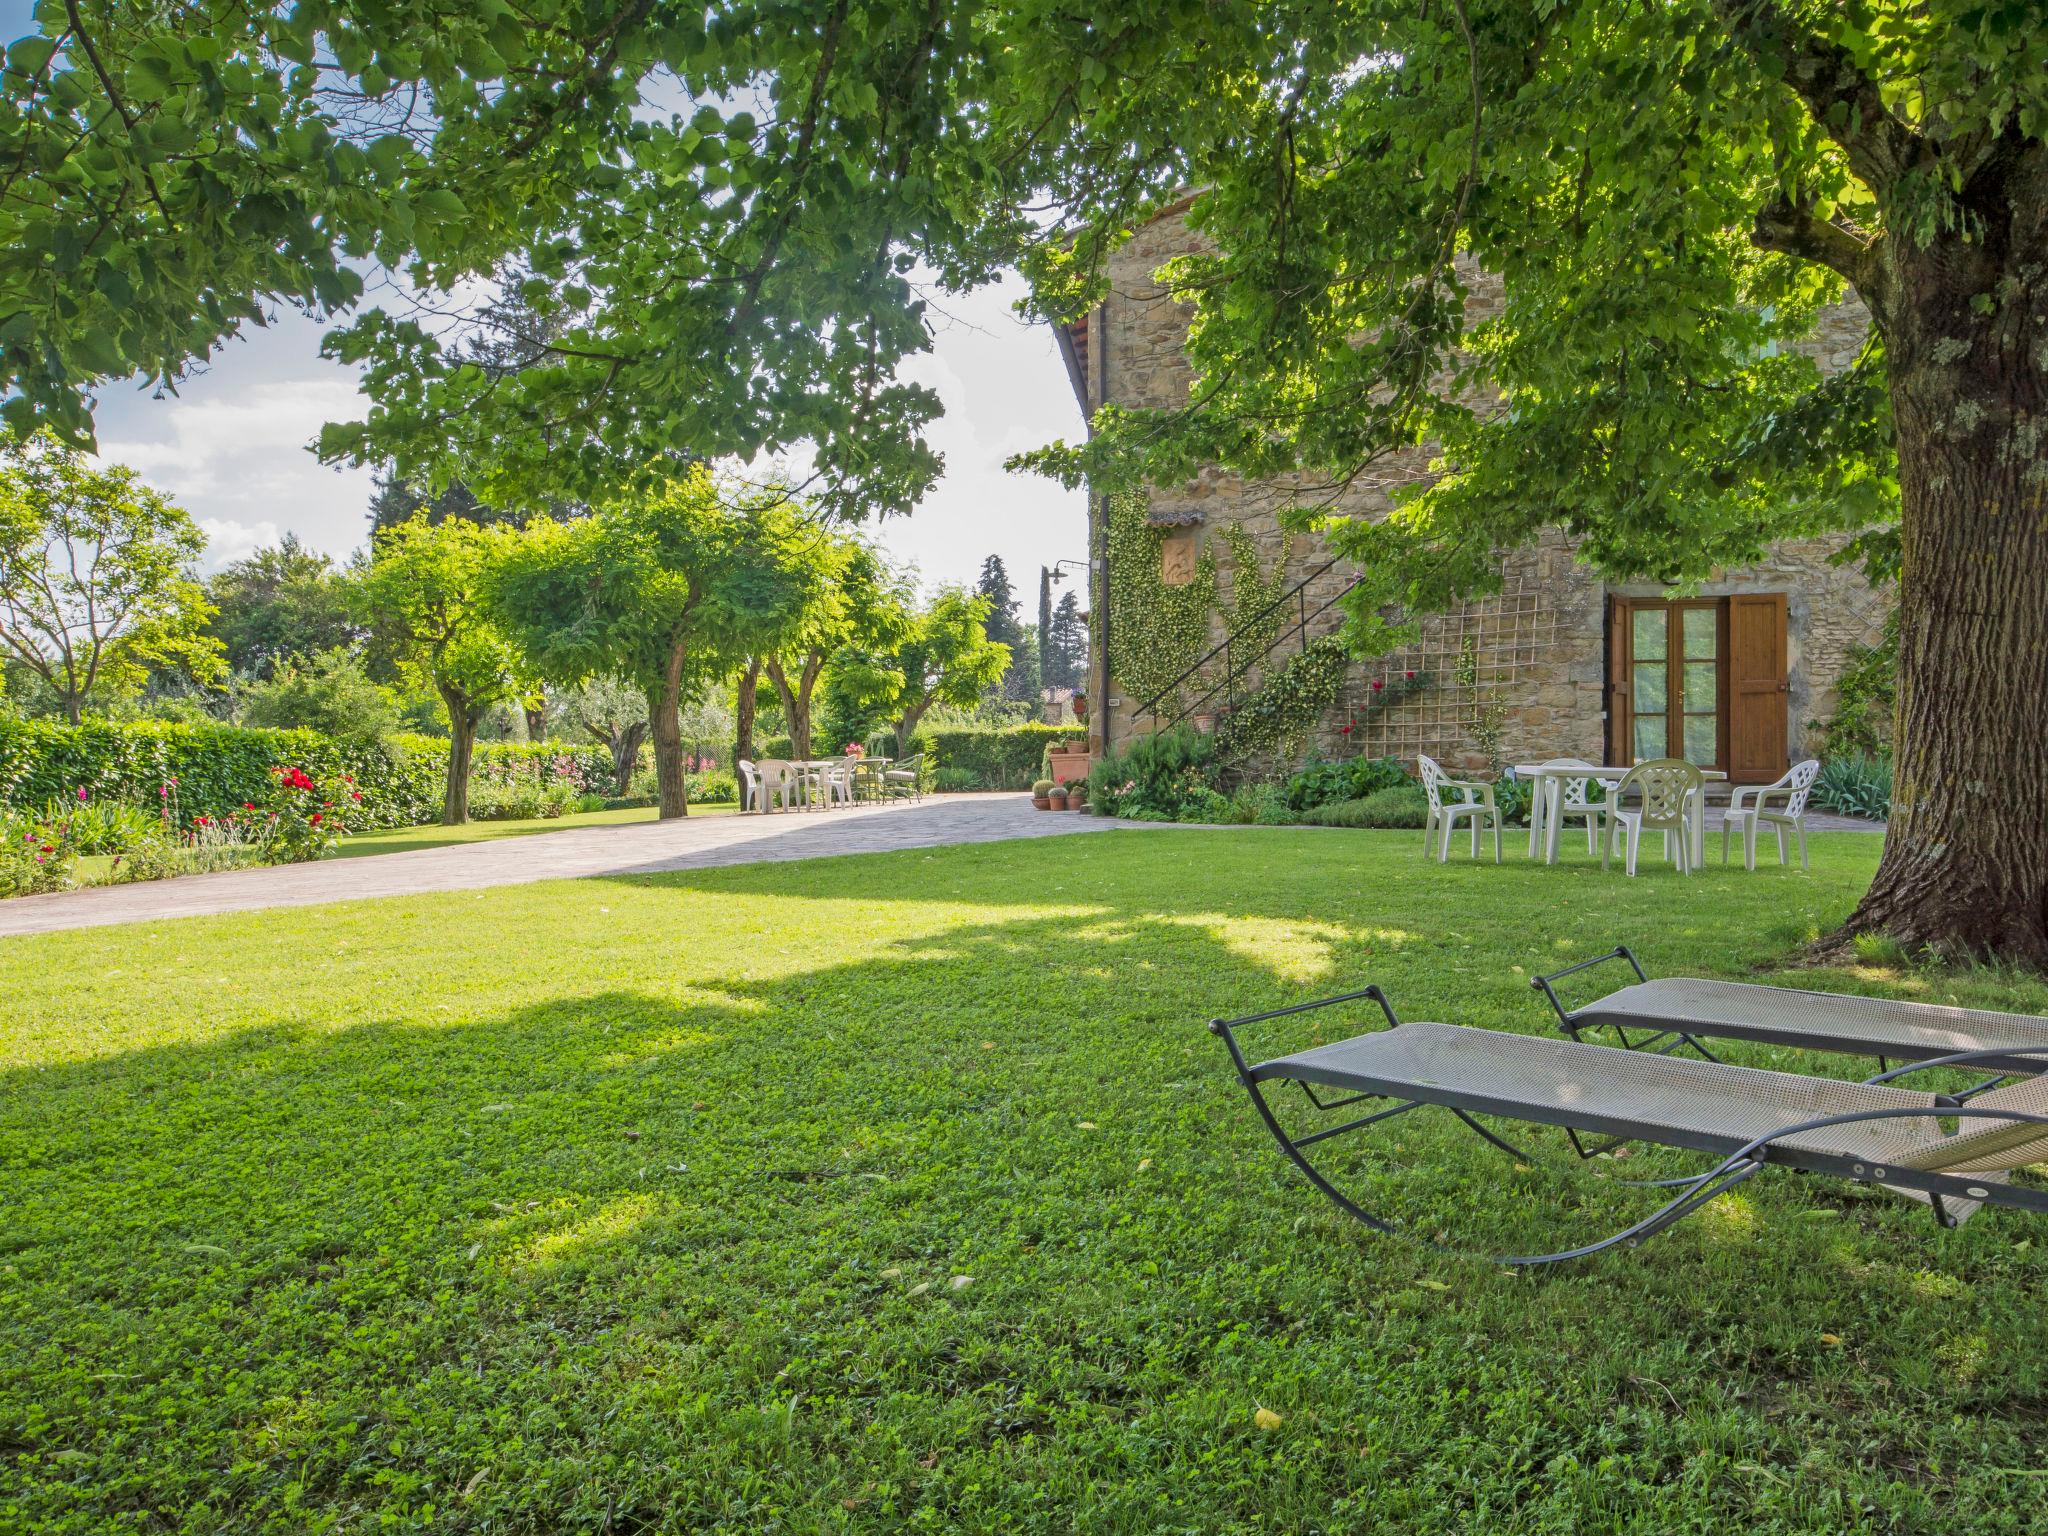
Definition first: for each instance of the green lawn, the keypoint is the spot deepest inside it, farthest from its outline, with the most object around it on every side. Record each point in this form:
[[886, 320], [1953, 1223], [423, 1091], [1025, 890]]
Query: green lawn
[[908, 1192], [403, 839]]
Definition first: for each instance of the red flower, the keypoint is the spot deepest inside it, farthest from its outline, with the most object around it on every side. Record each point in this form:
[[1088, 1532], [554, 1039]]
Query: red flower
[[248, 805], [1377, 685], [1344, 730], [315, 818], [355, 794]]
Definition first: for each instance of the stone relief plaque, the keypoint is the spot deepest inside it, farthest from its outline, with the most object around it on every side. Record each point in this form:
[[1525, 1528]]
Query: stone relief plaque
[[1177, 557]]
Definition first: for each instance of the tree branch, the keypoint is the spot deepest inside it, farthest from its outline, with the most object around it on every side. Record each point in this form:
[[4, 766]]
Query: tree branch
[[1797, 231], [1844, 101]]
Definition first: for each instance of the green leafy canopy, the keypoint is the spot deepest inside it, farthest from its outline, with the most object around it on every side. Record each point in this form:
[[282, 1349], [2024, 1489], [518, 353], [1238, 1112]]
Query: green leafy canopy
[[1667, 195]]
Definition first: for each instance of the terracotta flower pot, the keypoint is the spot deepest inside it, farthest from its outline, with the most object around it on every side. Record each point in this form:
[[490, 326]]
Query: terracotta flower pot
[[1042, 802]]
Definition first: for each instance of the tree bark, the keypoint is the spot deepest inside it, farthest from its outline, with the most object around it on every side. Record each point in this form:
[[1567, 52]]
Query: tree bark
[[1965, 866], [906, 726], [794, 709], [624, 747], [462, 718], [743, 714], [536, 721], [665, 725]]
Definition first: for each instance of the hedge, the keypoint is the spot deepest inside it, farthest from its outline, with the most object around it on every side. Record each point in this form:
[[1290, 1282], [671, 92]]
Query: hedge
[[219, 767], [1006, 757]]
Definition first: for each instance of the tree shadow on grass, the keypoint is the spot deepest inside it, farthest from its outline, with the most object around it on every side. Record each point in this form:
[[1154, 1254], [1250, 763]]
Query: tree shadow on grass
[[971, 1229]]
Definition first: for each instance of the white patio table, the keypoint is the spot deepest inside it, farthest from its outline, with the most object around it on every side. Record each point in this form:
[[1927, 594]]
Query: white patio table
[[813, 773], [1549, 798]]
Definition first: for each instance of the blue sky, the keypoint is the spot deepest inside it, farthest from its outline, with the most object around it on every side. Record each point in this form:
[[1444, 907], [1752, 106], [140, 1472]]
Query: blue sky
[[231, 446]]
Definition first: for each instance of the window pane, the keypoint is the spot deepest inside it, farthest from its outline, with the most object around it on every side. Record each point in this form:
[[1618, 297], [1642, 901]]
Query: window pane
[[1702, 632], [1650, 633], [1702, 687], [1652, 681], [1651, 740], [1700, 740]]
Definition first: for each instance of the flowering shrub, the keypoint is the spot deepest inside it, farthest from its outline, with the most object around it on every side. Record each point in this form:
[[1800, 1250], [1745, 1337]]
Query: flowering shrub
[[37, 853], [301, 818]]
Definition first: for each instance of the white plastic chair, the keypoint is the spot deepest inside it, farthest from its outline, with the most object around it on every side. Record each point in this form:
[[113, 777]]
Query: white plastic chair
[[780, 779], [1793, 789], [1475, 803], [1576, 803], [837, 781], [1667, 786], [753, 793]]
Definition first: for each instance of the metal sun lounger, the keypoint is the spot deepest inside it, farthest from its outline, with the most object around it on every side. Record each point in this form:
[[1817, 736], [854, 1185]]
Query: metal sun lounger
[[1681, 1010], [1743, 1117]]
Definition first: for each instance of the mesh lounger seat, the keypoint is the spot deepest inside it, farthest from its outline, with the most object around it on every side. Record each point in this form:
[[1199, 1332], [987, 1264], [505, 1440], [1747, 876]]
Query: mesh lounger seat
[[1681, 1010], [1744, 1117]]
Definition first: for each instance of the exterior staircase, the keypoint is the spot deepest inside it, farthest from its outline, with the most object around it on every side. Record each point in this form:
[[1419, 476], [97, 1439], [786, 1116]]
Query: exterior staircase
[[1239, 655]]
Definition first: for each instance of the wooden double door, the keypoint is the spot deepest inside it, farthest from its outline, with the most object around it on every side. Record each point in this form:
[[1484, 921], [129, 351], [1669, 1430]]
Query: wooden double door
[[1704, 679]]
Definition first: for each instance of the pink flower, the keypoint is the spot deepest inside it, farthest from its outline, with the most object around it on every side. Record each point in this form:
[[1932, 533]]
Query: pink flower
[[81, 794]]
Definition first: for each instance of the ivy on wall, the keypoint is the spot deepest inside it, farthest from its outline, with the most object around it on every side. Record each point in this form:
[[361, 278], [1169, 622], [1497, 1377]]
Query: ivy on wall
[[1156, 632], [1254, 614], [1276, 721]]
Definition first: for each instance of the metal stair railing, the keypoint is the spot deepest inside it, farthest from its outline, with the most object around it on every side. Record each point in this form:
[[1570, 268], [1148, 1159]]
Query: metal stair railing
[[1234, 670]]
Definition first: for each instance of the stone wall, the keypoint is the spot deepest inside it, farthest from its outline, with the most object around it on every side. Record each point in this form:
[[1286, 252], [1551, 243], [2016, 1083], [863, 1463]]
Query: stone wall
[[1540, 646]]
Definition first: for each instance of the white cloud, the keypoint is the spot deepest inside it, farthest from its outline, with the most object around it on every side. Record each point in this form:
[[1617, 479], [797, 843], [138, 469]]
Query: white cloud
[[240, 463], [228, 541]]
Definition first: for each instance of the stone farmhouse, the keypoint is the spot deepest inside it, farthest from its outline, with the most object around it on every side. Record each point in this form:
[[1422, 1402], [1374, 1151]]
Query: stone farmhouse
[[1559, 662]]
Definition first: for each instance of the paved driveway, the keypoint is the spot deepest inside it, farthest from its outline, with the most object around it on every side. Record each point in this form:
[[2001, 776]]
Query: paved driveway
[[695, 842]]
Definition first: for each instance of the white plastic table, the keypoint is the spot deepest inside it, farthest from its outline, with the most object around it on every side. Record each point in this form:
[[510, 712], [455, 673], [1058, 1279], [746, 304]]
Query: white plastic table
[[1548, 800]]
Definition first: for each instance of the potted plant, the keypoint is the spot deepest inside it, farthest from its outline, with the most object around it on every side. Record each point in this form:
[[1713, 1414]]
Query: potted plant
[[1077, 795], [1058, 798], [1041, 794]]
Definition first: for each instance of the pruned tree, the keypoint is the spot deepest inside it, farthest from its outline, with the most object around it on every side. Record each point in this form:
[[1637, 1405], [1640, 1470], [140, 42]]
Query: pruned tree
[[423, 594], [1670, 194], [97, 577], [672, 589], [942, 655], [857, 606]]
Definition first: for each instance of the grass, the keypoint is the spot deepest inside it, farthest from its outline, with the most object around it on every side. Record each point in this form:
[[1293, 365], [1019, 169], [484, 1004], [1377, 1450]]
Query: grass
[[98, 869], [406, 839], [907, 1192]]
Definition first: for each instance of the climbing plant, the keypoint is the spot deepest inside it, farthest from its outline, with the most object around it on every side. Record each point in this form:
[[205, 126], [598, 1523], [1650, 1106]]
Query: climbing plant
[[1156, 631], [1254, 615], [1277, 719], [1484, 708]]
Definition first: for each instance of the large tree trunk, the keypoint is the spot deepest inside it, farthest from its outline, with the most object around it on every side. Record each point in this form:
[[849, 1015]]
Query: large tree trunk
[[536, 721], [795, 709], [906, 727], [462, 717], [665, 723], [743, 714], [1965, 867]]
